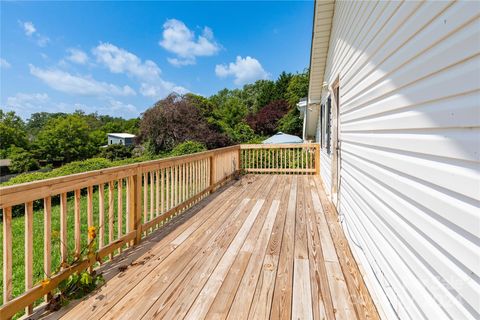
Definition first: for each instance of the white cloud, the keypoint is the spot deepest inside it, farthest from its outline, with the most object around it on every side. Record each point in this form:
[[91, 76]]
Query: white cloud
[[29, 28], [119, 60], [160, 89], [27, 103], [81, 85], [120, 106], [42, 41], [77, 56], [244, 70], [31, 31], [179, 39], [4, 63]]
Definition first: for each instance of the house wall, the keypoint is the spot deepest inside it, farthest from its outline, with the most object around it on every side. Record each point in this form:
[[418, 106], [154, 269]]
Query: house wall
[[410, 151]]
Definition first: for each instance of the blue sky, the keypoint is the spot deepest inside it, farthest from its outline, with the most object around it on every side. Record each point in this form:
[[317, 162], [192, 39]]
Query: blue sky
[[119, 58]]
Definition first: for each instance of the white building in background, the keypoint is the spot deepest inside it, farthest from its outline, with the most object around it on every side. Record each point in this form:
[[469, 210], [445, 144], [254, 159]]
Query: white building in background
[[127, 139], [394, 101]]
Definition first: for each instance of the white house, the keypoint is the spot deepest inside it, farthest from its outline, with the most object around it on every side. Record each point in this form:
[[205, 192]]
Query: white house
[[126, 139], [394, 101]]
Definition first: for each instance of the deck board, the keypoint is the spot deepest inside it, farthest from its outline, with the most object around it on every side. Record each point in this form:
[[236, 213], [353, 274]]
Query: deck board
[[264, 247]]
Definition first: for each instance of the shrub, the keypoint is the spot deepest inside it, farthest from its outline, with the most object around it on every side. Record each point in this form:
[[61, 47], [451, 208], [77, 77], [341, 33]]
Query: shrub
[[187, 147], [116, 152], [21, 160]]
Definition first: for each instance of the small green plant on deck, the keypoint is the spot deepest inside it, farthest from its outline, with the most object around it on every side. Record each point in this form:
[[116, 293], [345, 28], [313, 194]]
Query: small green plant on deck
[[78, 284]]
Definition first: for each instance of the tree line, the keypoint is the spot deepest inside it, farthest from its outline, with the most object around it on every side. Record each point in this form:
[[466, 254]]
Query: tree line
[[178, 124]]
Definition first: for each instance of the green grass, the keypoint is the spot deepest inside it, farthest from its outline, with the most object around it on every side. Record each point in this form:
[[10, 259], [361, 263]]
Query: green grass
[[18, 237]]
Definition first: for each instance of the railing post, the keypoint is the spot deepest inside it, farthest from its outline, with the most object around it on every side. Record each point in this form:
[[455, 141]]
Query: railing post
[[135, 190], [317, 160], [213, 172], [239, 158]]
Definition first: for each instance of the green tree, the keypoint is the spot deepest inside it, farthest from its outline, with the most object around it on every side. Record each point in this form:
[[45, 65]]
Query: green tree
[[21, 160], [187, 147], [281, 85], [291, 123], [297, 88], [257, 95], [116, 152], [12, 132], [65, 139]]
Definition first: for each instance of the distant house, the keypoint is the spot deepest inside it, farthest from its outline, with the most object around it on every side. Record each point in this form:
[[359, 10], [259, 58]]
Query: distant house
[[121, 138], [281, 137]]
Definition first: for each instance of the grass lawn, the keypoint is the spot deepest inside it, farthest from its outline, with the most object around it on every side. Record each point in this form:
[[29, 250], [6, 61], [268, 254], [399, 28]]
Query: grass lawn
[[18, 237]]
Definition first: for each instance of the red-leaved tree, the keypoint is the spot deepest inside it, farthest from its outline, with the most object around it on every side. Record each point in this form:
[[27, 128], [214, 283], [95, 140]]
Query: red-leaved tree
[[176, 119], [265, 121]]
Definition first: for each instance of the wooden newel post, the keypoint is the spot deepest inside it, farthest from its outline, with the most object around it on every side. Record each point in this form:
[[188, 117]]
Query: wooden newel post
[[213, 173], [135, 208], [317, 159]]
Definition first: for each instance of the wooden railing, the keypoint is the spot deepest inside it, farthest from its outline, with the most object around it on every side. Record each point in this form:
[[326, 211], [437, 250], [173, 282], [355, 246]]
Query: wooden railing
[[280, 158], [109, 209]]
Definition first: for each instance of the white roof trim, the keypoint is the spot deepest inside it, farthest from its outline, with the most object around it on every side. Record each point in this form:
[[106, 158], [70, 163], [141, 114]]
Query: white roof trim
[[122, 135]]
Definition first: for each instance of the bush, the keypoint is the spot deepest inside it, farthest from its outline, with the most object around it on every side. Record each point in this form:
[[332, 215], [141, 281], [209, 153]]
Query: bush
[[187, 147], [21, 160], [116, 152], [71, 168]]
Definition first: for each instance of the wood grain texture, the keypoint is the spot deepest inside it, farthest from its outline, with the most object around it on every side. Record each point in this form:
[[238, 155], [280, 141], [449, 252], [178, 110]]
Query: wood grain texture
[[7, 254], [263, 248]]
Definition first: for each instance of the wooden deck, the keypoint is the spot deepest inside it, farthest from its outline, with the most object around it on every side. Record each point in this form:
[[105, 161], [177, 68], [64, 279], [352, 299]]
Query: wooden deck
[[266, 246]]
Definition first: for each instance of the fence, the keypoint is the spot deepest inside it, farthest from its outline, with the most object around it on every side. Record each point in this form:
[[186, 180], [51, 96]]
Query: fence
[[280, 158], [111, 209]]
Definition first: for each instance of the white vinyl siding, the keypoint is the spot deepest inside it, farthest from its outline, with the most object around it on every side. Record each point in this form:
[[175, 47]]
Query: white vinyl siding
[[410, 151]]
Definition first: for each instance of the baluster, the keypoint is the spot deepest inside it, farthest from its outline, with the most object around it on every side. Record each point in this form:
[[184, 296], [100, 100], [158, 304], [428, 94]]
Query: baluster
[[120, 210], [111, 186], [101, 215], [145, 197], [7, 254], [47, 240], [162, 190], [157, 197], [77, 223], [28, 251], [63, 229], [152, 195], [90, 210]]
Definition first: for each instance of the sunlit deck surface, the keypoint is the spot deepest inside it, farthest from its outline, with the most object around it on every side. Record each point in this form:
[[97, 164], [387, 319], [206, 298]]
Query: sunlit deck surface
[[266, 246]]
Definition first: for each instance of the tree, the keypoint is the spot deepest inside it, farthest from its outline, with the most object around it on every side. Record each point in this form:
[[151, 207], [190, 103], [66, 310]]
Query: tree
[[187, 147], [65, 139], [257, 95], [201, 103], [265, 122], [38, 120], [291, 123], [116, 152], [174, 120], [281, 85], [297, 88], [21, 160], [12, 132]]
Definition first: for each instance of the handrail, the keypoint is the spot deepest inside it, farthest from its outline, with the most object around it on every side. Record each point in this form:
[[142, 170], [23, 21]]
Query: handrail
[[124, 204], [281, 158]]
